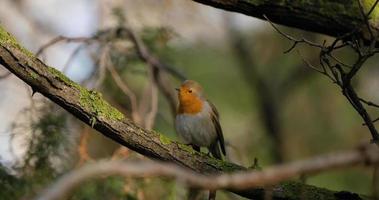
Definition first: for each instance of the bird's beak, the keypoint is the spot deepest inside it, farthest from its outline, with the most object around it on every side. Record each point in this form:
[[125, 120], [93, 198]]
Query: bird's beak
[[177, 89]]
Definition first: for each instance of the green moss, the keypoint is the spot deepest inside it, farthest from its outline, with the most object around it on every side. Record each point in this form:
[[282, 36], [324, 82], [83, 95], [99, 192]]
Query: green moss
[[94, 102], [34, 75], [8, 39], [225, 166], [58, 74], [91, 100], [164, 139], [187, 148]]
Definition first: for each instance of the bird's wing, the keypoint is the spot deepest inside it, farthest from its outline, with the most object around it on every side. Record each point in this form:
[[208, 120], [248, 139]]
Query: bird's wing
[[216, 123]]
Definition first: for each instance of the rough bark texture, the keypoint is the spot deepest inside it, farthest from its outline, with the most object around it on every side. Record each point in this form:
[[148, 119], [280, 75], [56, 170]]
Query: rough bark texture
[[89, 107], [334, 18]]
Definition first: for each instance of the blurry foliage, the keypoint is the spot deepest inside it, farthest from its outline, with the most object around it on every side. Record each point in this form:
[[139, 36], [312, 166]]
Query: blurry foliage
[[47, 143], [11, 186], [46, 154]]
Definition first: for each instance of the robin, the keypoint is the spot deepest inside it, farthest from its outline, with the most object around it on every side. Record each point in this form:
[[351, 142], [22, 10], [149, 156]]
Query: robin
[[197, 121]]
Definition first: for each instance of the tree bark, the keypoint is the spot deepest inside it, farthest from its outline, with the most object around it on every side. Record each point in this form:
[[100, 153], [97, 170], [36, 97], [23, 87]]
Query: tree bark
[[333, 18], [89, 107]]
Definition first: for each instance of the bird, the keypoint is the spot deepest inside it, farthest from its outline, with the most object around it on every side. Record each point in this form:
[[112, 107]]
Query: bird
[[197, 121]]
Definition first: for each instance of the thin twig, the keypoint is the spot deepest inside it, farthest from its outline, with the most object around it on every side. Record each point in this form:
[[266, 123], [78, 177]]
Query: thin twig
[[61, 39], [146, 56], [295, 40], [339, 61], [151, 115], [340, 76], [126, 90], [323, 71], [366, 18], [102, 65], [368, 155], [372, 8], [82, 147], [72, 56], [369, 103], [121, 152]]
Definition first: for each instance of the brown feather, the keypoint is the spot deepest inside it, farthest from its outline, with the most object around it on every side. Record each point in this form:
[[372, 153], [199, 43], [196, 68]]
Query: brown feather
[[216, 123]]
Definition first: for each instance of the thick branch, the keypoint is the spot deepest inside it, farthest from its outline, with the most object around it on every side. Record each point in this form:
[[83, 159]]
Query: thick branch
[[89, 107], [334, 18]]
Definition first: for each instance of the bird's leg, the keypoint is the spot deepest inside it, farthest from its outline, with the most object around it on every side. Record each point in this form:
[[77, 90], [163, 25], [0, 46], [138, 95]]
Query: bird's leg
[[195, 147]]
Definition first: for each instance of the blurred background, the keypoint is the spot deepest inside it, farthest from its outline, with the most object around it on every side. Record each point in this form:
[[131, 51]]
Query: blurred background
[[273, 107]]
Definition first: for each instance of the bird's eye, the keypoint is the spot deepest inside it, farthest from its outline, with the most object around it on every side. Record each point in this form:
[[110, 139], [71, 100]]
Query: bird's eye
[[190, 91]]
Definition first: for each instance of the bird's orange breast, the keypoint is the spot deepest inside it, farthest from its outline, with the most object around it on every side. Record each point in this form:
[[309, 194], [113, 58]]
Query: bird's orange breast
[[189, 105]]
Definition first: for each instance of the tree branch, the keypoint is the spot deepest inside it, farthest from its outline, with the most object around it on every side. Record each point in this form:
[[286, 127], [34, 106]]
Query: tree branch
[[334, 18]]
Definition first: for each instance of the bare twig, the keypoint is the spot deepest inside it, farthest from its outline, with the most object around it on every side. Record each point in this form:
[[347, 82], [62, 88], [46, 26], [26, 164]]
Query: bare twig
[[145, 100], [339, 75], [146, 55], [368, 155], [321, 71], [126, 90], [295, 40], [375, 120], [369, 103], [372, 8], [150, 116], [61, 39], [82, 147], [157, 67], [72, 56], [366, 19], [102, 63], [339, 61], [121, 152]]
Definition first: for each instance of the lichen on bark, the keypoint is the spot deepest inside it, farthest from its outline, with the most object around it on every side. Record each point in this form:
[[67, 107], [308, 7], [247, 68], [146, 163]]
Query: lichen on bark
[[164, 139], [94, 102], [8, 39]]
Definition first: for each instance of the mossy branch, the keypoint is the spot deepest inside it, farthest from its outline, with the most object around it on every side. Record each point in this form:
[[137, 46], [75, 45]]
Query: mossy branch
[[333, 18], [89, 107]]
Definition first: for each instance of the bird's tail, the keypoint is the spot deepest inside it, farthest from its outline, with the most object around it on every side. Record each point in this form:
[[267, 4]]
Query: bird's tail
[[215, 150]]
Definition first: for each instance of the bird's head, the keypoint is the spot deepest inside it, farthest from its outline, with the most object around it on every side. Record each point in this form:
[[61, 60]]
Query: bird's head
[[190, 95]]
